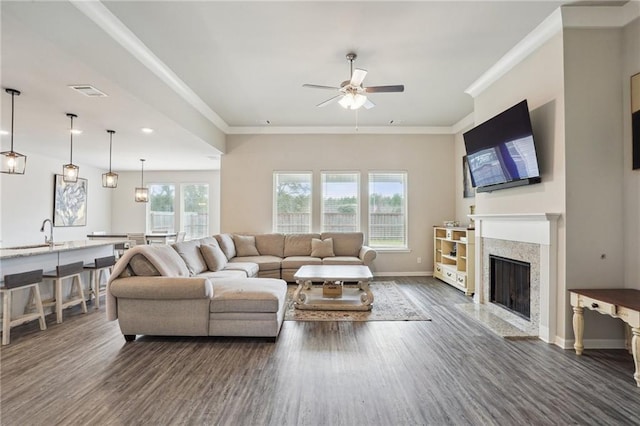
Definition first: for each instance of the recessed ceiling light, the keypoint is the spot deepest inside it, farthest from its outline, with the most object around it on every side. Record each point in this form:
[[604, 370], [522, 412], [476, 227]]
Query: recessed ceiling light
[[76, 131], [146, 130], [3, 132]]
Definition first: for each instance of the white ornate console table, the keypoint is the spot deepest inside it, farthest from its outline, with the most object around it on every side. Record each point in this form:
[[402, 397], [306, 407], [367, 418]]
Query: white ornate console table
[[618, 303]]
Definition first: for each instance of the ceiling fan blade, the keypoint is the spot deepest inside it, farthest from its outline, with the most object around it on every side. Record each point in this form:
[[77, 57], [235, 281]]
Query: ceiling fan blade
[[317, 86], [358, 76], [385, 89], [368, 104], [329, 101]]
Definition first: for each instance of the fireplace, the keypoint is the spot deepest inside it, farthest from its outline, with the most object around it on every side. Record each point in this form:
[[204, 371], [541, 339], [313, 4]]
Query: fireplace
[[511, 285]]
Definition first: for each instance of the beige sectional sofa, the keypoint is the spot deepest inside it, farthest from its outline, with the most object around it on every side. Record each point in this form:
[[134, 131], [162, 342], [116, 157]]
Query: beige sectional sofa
[[226, 285]]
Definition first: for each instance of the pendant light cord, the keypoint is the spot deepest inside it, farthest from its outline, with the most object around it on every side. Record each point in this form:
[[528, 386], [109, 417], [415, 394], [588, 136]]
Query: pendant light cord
[[12, 98], [111, 132], [71, 133]]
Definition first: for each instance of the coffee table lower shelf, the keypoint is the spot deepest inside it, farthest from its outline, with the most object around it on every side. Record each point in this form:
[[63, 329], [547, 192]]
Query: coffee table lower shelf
[[351, 300]]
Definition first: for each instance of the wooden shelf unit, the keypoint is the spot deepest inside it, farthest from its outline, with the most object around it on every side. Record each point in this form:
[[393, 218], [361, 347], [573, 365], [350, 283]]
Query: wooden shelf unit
[[453, 257]]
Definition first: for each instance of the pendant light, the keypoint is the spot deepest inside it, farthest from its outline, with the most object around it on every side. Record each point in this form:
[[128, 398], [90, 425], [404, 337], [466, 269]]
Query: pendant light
[[13, 162], [142, 193], [110, 180], [70, 171]]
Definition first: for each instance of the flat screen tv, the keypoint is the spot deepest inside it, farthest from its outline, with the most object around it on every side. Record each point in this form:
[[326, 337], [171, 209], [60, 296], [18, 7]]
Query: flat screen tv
[[501, 152]]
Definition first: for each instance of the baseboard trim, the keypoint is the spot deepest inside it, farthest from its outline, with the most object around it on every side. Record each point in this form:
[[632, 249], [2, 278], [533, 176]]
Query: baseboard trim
[[593, 343]]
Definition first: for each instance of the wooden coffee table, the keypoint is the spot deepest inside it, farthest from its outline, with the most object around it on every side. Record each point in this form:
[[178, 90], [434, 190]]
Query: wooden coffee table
[[352, 299]]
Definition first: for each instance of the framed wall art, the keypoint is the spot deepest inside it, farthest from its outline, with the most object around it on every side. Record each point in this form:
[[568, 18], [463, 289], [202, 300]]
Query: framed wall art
[[69, 202], [635, 120]]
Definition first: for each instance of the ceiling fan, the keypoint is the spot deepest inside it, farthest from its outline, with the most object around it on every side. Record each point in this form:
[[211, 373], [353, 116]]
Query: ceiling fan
[[352, 95]]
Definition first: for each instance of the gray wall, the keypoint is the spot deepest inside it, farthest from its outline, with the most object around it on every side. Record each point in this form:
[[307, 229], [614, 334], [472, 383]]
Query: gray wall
[[248, 166]]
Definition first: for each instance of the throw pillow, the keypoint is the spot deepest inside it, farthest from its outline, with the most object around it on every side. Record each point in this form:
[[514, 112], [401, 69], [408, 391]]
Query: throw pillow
[[214, 256], [142, 267], [322, 248], [245, 245]]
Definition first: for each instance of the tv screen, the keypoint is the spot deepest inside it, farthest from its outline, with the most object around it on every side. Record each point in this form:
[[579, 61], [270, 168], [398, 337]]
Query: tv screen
[[501, 152]]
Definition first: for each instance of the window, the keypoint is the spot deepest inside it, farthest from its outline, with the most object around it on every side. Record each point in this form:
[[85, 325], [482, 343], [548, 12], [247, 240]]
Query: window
[[388, 210], [194, 210], [340, 202], [161, 208], [292, 202]]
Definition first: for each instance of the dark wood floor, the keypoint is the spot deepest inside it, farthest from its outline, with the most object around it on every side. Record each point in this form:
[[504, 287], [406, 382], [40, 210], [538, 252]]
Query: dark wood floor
[[450, 370]]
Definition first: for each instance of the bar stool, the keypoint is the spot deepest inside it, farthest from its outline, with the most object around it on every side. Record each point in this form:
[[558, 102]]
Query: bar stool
[[101, 266], [62, 272], [22, 281]]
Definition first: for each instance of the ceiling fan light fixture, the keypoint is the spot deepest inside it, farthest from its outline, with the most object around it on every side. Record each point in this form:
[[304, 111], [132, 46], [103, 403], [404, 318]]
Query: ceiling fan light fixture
[[352, 101]]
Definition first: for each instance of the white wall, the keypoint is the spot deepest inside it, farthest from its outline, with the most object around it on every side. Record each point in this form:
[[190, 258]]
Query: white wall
[[594, 168], [129, 216], [248, 166], [540, 79], [631, 217], [27, 200]]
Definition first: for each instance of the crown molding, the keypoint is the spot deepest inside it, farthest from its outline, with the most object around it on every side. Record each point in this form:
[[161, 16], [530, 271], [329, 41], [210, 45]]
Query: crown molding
[[532, 41], [464, 124], [340, 130], [563, 17], [111, 25]]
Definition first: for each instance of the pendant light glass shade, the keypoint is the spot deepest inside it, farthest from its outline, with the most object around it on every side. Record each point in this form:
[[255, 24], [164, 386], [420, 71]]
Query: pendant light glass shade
[[70, 171], [12, 162], [110, 180], [142, 193]]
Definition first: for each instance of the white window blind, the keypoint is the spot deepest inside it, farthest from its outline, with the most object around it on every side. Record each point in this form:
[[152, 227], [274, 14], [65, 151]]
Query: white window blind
[[388, 210], [292, 202], [340, 202]]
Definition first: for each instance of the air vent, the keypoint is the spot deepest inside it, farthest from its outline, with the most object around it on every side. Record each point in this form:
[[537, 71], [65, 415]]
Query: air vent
[[89, 91]]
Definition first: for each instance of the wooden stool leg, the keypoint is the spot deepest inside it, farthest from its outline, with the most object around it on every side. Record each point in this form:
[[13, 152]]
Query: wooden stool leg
[[6, 317], [96, 286], [78, 282], [57, 282], [38, 302]]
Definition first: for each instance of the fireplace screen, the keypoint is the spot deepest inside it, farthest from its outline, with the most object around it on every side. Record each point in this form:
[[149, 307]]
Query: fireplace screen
[[510, 284]]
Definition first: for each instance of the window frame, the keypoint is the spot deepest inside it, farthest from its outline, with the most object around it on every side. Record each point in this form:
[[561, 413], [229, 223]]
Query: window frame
[[358, 213], [274, 208], [181, 212], [405, 211]]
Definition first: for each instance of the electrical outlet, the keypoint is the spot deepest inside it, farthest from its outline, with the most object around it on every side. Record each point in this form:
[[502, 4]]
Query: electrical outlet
[[419, 260]]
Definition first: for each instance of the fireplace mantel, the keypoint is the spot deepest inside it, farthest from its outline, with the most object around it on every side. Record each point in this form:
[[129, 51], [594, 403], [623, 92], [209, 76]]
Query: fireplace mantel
[[534, 228]]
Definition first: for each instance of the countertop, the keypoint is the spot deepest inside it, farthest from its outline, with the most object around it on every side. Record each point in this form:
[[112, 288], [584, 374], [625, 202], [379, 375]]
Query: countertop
[[40, 249]]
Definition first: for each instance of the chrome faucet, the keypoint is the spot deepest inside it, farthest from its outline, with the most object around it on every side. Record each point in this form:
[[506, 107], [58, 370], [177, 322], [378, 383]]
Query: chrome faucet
[[50, 239]]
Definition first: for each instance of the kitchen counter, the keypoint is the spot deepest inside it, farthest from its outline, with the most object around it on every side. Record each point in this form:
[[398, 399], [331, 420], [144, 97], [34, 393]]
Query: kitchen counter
[[41, 249]]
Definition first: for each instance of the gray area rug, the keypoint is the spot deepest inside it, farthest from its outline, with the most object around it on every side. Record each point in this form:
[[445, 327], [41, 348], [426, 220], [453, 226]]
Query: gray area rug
[[390, 304]]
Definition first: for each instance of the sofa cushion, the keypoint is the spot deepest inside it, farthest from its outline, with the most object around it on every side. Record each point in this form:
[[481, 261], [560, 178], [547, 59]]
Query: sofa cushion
[[213, 257], [249, 268], [208, 241], [342, 260], [298, 244], [226, 244], [225, 273], [322, 248], [270, 244], [294, 262], [345, 243], [265, 263], [189, 251], [245, 245], [248, 295], [141, 266]]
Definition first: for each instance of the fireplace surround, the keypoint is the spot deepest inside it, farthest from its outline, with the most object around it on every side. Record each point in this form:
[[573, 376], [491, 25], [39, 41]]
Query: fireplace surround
[[530, 238]]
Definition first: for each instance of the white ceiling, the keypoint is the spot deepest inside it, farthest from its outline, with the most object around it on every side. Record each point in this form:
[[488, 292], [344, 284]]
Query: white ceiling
[[239, 63]]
